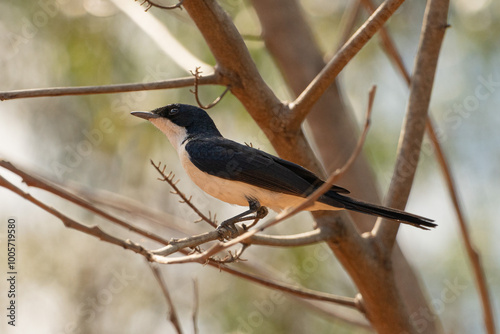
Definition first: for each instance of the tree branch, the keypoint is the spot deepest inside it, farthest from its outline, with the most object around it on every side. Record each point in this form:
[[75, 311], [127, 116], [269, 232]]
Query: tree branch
[[38, 182], [212, 79], [196, 300], [434, 27], [172, 314], [169, 179], [70, 223], [302, 105], [296, 291], [472, 253]]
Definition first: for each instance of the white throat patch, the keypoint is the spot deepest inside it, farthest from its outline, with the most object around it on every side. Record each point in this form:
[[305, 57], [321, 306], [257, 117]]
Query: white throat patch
[[175, 134]]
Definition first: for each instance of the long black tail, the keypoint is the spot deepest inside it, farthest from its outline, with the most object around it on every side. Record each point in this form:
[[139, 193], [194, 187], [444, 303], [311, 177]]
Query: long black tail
[[337, 200]]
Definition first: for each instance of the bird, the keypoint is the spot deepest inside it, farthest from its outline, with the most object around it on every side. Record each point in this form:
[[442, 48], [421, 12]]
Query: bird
[[243, 175]]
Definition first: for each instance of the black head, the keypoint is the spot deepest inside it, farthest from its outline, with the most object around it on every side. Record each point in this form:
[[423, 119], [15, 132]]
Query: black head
[[194, 119]]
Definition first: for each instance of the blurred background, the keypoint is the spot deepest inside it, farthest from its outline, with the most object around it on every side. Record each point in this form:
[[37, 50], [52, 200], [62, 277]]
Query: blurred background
[[70, 282]]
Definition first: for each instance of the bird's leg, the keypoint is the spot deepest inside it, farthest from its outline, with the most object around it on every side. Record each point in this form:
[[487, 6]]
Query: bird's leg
[[254, 212], [261, 213]]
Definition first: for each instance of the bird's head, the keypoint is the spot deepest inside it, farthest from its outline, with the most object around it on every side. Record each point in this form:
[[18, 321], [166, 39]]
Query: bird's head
[[179, 121]]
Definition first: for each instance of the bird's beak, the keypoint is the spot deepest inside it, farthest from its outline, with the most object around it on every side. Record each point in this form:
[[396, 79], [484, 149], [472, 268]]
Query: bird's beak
[[145, 115]]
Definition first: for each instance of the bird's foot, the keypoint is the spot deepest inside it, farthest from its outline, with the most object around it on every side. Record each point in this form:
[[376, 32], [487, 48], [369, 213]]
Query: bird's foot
[[228, 228]]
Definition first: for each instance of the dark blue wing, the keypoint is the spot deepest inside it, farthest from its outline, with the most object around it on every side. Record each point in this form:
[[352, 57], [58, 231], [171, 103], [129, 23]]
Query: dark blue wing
[[230, 160]]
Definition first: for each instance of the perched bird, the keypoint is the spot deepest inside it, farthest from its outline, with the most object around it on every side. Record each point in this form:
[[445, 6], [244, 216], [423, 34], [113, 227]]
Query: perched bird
[[242, 175]]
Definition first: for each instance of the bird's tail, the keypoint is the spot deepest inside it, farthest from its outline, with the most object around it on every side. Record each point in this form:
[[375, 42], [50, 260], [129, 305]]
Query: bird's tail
[[348, 203]]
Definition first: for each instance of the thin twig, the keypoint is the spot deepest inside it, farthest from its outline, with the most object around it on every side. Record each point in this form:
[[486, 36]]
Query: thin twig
[[38, 182], [302, 105], [169, 180], [70, 223], [196, 299], [212, 79], [197, 76], [347, 22], [294, 290], [474, 257], [172, 314]]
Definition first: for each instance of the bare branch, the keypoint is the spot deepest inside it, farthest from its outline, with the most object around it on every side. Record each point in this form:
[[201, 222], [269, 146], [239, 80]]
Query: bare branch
[[433, 29], [347, 22], [294, 290], [196, 299], [70, 223], [197, 76], [38, 182], [212, 79], [388, 45], [172, 314], [472, 253], [169, 179], [302, 105], [295, 240]]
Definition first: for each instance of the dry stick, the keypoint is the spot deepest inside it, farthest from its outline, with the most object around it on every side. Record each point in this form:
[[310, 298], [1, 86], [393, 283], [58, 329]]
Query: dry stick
[[38, 182], [301, 292], [347, 22], [112, 201], [212, 79], [302, 105], [329, 313], [473, 255], [389, 46], [412, 133], [196, 299], [285, 287], [197, 76], [70, 223], [200, 257], [172, 314], [169, 179], [480, 277]]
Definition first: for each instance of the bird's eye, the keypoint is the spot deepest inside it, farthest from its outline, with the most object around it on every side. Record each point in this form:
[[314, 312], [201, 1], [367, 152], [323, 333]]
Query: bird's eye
[[173, 111]]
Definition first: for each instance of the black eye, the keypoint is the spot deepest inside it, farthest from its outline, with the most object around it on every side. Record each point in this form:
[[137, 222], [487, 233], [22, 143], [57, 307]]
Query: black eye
[[173, 111]]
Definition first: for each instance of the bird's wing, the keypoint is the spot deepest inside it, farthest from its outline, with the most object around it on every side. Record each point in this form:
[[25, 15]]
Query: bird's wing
[[230, 160], [307, 174]]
